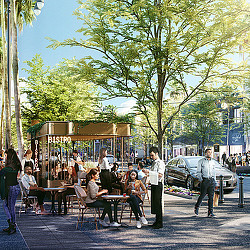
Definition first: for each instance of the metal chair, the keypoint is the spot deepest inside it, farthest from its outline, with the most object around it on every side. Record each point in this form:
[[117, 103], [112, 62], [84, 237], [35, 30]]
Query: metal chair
[[83, 208], [70, 201], [26, 199]]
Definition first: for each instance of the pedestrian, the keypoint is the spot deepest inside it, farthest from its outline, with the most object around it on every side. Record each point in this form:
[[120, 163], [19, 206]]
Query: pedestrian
[[158, 167], [240, 159], [105, 168], [206, 175], [224, 157], [10, 188]]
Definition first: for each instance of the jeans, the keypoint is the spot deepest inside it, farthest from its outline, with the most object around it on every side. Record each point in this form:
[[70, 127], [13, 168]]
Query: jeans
[[107, 208], [10, 202], [207, 187], [134, 202]]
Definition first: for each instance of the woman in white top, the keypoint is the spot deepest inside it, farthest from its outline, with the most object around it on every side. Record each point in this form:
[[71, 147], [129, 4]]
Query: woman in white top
[[27, 161], [105, 170]]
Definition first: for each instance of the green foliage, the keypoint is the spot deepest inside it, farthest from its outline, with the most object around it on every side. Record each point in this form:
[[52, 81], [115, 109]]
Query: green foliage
[[157, 51], [201, 120], [57, 94]]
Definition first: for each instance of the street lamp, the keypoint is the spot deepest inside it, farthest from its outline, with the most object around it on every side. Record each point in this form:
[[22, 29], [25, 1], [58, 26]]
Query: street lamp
[[38, 7], [227, 106]]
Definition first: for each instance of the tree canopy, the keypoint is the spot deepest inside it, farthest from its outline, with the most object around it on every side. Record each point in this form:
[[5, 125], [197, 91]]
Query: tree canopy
[[153, 51], [57, 94]]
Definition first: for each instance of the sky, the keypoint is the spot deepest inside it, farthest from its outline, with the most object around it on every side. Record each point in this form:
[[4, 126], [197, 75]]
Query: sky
[[58, 22]]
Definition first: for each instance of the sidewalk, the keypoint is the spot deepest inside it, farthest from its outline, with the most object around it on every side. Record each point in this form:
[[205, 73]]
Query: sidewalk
[[14, 241], [182, 230]]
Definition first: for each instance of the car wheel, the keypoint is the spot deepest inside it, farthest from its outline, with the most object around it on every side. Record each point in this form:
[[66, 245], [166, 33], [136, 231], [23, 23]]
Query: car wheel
[[190, 183]]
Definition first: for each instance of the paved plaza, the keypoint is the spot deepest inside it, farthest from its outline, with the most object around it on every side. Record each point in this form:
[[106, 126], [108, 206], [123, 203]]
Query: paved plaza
[[182, 230]]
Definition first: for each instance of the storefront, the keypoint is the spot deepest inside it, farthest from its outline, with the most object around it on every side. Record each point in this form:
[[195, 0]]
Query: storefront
[[52, 144]]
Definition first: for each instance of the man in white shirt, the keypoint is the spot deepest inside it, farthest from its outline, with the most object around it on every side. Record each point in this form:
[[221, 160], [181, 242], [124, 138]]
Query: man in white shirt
[[30, 185], [157, 170], [206, 175]]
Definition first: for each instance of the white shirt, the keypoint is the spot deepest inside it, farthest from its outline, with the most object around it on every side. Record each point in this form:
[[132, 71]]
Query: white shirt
[[105, 164], [140, 175], [159, 167]]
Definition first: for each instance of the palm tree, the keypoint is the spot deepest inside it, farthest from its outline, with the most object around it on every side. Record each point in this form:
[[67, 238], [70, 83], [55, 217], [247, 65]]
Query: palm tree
[[4, 81], [21, 11]]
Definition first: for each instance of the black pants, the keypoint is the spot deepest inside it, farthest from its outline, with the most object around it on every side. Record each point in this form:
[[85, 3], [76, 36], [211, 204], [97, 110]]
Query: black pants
[[62, 197], [107, 208], [207, 187], [105, 178], [39, 194], [156, 202], [134, 202], [118, 185]]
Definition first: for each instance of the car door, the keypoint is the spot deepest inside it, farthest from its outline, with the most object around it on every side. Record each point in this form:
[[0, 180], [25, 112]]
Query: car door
[[181, 172], [170, 171]]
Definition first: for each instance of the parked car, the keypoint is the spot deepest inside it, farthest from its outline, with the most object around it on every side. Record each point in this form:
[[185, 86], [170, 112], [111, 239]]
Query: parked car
[[181, 171]]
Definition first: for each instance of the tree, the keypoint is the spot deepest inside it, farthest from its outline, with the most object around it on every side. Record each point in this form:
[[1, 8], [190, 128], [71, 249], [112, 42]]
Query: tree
[[201, 121], [153, 49], [57, 94], [5, 82]]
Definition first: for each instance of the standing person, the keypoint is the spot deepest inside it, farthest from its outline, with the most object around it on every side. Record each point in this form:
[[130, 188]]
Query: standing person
[[105, 168], [158, 167], [10, 188], [27, 161], [224, 157], [206, 175], [240, 159]]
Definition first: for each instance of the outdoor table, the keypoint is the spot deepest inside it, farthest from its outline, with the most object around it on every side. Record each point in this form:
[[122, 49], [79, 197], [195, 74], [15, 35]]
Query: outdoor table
[[53, 193], [115, 199]]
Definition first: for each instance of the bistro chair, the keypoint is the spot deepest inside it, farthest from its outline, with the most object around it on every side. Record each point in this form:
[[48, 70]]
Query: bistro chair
[[145, 181], [83, 208], [70, 201], [26, 199]]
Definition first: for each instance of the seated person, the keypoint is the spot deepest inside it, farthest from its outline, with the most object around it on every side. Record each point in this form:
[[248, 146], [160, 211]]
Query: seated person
[[133, 189], [130, 168], [30, 185], [69, 191], [140, 166], [116, 178], [93, 194]]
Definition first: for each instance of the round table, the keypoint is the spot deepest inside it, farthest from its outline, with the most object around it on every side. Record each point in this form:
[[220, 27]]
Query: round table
[[115, 199], [53, 193]]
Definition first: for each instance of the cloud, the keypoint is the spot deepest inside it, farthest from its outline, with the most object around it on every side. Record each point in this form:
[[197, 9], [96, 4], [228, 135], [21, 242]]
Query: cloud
[[126, 107]]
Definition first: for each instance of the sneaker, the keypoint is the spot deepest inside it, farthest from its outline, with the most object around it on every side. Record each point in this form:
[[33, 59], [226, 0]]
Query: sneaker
[[138, 224], [143, 220], [38, 211], [196, 211], [115, 224], [103, 223], [211, 215]]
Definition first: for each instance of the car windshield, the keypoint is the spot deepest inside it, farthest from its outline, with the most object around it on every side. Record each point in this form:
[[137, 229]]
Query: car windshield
[[193, 162]]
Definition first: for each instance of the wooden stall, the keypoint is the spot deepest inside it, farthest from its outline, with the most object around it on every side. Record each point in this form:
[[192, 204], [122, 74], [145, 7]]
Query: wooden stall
[[53, 143]]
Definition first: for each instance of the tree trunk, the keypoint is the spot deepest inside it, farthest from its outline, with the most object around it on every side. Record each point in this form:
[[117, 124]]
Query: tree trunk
[[16, 83], [5, 83]]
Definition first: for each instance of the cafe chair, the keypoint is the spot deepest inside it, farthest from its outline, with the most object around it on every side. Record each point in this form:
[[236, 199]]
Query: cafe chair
[[83, 208], [26, 200], [145, 181], [70, 201]]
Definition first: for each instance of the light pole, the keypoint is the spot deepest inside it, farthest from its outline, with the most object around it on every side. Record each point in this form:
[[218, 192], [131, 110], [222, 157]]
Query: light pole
[[228, 128], [38, 7]]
